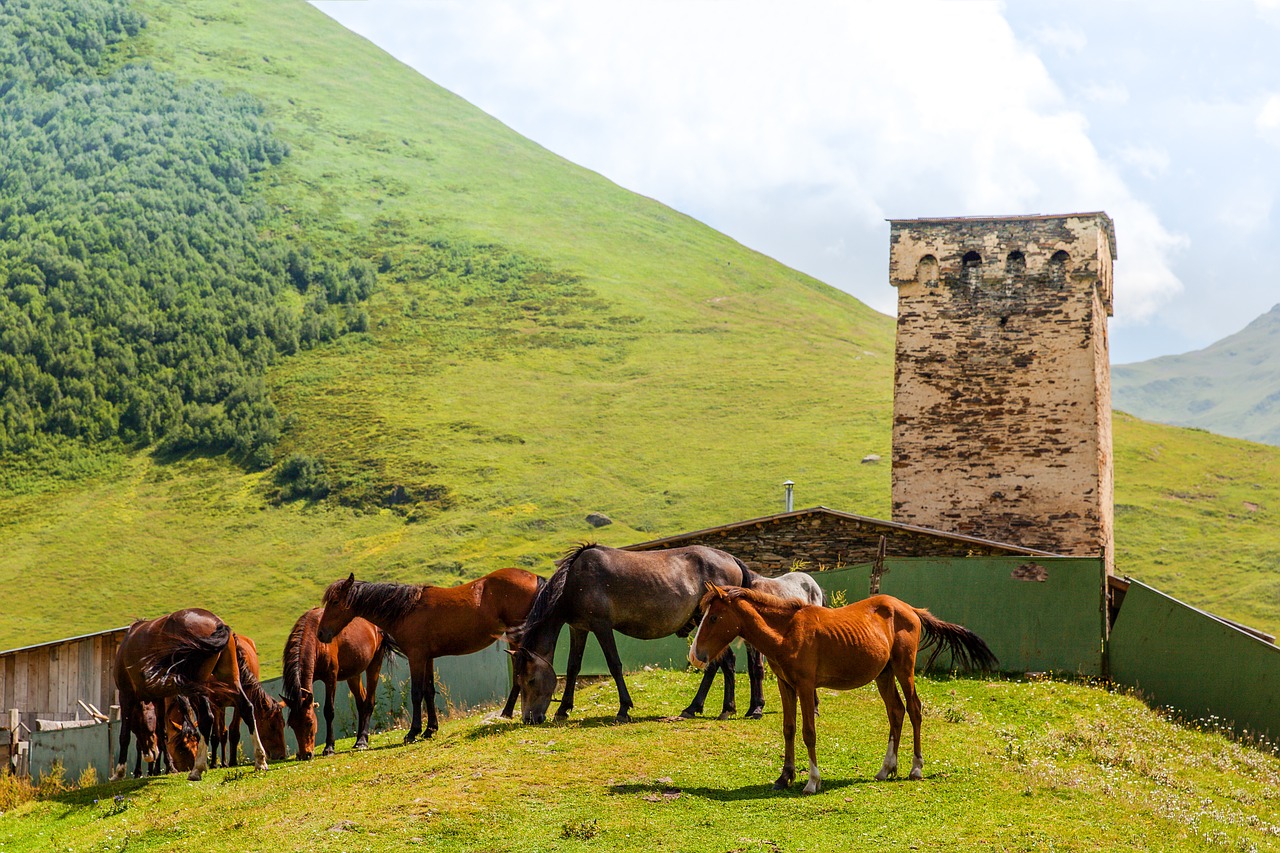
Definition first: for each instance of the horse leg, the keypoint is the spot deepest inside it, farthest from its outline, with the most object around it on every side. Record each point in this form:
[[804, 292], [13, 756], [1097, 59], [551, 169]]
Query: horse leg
[[127, 702], [728, 664], [788, 696], [233, 737], [330, 738], [370, 698], [755, 676], [894, 708], [577, 648], [429, 697], [610, 649], [415, 699], [807, 696], [700, 698], [915, 709]]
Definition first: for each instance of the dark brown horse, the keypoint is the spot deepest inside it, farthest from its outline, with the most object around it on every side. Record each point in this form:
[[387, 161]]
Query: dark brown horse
[[358, 648], [187, 653], [643, 594], [846, 647], [428, 622]]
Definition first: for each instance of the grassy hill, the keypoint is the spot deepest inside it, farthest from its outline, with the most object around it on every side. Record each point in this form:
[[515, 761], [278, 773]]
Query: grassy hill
[[1231, 387], [1008, 766], [541, 344]]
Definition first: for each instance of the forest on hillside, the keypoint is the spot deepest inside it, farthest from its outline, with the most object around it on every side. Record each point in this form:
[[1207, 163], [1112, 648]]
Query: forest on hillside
[[139, 298]]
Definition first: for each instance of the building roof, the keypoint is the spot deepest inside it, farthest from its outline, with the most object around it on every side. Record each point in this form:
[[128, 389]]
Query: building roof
[[1110, 225], [8, 652], [860, 519]]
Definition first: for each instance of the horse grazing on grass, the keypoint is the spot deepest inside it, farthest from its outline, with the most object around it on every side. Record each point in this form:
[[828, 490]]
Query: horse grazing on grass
[[427, 622], [145, 725], [358, 648], [187, 653], [643, 594], [808, 647]]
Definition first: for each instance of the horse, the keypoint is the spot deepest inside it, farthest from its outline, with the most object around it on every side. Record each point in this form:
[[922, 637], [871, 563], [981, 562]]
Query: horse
[[209, 713], [643, 594], [187, 653], [808, 647], [357, 648], [428, 622], [795, 585], [146, 727]]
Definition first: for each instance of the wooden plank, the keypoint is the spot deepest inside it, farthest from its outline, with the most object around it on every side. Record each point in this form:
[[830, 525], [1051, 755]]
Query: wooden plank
[[22, 672], [6, 683]]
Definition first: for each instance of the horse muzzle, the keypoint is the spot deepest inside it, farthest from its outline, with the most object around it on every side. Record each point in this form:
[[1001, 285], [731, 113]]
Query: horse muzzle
[[324, 635], [533, 719], [693, 659]]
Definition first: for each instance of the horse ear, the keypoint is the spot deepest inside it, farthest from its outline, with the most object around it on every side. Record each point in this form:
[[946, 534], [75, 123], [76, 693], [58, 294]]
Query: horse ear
[[351, 578], [713, 588], [176, 725], [513, 652]]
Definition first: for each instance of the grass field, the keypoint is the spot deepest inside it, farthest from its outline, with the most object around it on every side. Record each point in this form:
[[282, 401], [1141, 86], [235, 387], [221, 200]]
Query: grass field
[[600, 353], [1009, 766]]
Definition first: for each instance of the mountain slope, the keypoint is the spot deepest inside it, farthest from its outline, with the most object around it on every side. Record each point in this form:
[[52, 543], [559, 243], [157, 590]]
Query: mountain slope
[[1231, 388], [542, 344]]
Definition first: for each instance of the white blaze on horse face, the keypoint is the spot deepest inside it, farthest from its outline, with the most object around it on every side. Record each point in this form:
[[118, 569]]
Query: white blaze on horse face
[[202, 761], [693, 647], [815, 779]]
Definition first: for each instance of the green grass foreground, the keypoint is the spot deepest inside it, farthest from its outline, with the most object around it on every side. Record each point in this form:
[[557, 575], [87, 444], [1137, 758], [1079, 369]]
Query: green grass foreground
[[1040, 765]]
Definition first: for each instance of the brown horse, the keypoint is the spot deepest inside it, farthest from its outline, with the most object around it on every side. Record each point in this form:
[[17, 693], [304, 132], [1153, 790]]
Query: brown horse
[[187, 653], [358, 648], [644, 594], [428, 622], [810, 647]]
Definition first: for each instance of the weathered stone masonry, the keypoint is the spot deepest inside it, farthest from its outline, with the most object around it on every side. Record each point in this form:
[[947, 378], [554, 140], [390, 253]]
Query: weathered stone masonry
[[1002, 399]]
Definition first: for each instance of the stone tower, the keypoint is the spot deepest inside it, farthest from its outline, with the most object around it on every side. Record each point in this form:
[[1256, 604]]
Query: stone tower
[[1002, 391]]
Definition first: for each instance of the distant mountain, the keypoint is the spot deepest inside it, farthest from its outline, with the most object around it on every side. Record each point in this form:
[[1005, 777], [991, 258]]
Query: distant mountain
[[1231, 388]]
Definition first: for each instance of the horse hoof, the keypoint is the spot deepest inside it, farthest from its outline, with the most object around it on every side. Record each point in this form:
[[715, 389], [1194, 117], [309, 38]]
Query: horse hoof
[[811, 788], [726, 715], [781, 784], [118, 775], [410, 737], [562, 715], [754, 714], [916, 775], [195, 775], [358, 745], [328, 750], [688, 714], [624, 717]]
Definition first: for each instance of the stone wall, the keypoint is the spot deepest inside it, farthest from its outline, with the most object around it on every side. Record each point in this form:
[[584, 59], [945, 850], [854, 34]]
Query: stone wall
[[1002, 405], [824, 539]]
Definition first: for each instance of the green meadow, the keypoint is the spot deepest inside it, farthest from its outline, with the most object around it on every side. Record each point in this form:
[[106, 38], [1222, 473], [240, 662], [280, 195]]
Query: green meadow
[[1009, 765], [541, 344]]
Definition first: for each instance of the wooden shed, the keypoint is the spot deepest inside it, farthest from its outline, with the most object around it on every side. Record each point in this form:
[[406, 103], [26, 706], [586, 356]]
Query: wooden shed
[[48, 681]]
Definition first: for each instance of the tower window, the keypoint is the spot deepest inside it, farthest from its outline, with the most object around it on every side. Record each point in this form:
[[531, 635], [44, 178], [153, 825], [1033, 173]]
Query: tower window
[[1058, 268], [927, 271], [971, 270]]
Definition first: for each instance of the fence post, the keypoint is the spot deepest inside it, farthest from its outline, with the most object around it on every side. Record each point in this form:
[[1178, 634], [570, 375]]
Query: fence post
[[877, 568], [15, 719], [113, 720]]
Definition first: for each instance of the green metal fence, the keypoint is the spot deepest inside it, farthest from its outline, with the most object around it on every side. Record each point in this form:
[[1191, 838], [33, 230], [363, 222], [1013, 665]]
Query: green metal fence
[[1184, 658], [1041, 614]]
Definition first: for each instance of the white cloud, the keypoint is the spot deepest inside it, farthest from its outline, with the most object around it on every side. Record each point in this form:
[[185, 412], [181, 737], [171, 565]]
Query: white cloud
[[1149, 160], [1110, 94], [1063, 38], [796, 130], [1269, 116]]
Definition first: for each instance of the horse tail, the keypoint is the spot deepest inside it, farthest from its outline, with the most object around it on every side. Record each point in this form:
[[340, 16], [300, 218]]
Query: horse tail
[[176, 665], [300, 658], [967, 648], [387, 646], [748, 576]]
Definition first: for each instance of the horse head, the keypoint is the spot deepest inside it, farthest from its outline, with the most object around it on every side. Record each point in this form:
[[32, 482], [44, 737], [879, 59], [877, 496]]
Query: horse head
[[146, 727], [270, 722], [302, 719], [718, 627], [337, 614], [536, 679], [181, 736]]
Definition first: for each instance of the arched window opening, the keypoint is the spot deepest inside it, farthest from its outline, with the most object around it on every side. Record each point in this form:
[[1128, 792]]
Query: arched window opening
[[971, 270], [1058, 268], [927, 271], [1015, 265]]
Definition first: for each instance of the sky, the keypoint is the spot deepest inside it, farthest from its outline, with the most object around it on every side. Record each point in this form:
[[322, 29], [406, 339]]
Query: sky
[[799, 128]]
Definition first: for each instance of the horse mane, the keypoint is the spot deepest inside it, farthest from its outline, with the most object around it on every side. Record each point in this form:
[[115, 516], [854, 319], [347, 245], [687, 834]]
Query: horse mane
[[375, 601], [549, 594], [300, 657], [758, 597], [176, 663], [252, 688]]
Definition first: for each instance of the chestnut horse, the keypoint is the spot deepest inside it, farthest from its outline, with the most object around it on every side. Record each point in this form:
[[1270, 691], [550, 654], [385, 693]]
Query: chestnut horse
[[358, 648], [209, 713], [643, 594], [428, 622], [846, 647], [187, 653]]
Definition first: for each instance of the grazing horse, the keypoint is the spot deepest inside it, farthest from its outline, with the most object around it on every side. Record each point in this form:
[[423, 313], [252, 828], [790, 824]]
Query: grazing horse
[[187, 653], [146, 727], [846, 647], [643, 594], [428, 622], [358, 648]]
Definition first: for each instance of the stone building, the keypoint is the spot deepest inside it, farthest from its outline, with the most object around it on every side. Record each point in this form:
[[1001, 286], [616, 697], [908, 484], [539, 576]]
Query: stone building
[[1002, 399]]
